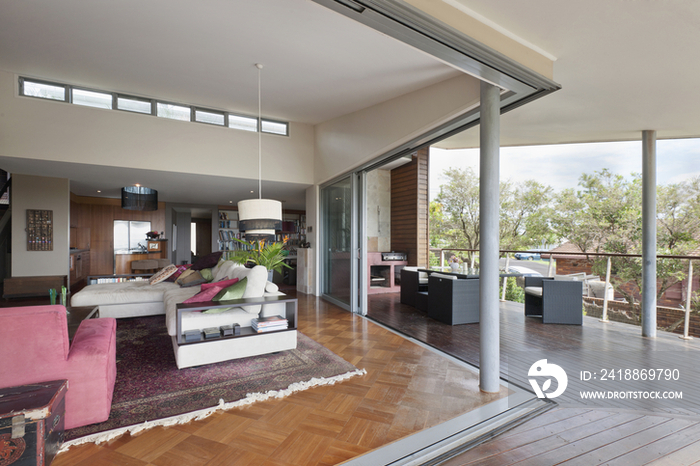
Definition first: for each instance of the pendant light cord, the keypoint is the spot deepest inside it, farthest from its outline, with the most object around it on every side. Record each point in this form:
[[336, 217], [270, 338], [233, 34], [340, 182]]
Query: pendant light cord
[[259, 67]]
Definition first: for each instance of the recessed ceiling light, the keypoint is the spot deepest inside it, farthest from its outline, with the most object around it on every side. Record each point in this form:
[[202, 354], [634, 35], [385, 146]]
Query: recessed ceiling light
[[99, 191], [252, 191], [230, 202]]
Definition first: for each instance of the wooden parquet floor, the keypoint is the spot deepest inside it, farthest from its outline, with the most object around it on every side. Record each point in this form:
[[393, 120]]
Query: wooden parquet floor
[[407, 389]]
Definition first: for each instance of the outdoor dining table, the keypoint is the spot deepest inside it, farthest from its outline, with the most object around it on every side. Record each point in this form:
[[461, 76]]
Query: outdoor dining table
[[451, 301], [465, 273]]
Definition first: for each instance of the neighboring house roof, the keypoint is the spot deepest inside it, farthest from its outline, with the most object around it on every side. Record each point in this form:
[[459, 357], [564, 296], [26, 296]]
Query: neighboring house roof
[[560, 251]]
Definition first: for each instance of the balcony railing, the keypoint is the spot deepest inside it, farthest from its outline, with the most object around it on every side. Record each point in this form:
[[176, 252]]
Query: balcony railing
[[443, 254]]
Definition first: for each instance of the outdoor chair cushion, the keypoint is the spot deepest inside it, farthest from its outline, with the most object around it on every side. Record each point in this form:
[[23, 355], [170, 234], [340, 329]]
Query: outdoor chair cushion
[[533, 290]]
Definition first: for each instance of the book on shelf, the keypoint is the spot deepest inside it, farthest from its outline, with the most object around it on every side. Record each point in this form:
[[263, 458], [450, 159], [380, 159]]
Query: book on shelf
[[192, 335], [270, 329], [98, 280], [230, 330], [226, 222], [270, 323], [269, 320]]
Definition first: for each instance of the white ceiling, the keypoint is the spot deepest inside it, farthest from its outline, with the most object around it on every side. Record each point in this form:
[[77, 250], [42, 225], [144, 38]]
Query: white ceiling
[[624, 66], [318, 65]]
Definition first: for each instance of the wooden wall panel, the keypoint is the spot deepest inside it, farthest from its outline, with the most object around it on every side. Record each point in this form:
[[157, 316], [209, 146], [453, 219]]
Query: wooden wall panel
[[409, 209], [99, 214]]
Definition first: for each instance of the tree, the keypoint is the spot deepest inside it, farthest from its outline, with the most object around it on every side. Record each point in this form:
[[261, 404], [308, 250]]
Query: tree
[[678, 229], [678, 208], [524, 216], [524, 213], [605, 215], [459, 206]]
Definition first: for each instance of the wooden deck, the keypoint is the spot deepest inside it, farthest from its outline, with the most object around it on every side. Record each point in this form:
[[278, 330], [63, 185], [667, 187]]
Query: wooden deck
[[626, 432], [589, 437]]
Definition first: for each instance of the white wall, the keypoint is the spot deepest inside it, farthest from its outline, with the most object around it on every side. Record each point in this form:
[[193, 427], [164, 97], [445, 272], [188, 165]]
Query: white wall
[[42, 193], [45, 130], [49, 130], [348, 141], [351, 140], [312, 236]]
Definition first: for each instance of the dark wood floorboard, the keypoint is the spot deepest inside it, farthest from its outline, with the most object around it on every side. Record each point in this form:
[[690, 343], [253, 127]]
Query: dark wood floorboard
[[625, 432], [592, 346]]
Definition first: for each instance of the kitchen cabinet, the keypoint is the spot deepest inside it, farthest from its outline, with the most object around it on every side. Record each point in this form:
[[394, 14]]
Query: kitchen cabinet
[[79, 266]]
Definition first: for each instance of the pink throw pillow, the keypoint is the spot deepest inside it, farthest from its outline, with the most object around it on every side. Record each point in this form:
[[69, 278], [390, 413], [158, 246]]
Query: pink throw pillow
[[220, 284], [209, 290], [178, 272]]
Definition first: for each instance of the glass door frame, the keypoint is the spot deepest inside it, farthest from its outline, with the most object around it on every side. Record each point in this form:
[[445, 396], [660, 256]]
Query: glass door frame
[[358, 243], [361, 237], [324, 212]]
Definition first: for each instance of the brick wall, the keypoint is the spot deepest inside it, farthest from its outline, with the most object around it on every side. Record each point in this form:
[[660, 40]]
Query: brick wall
[[567, 266]]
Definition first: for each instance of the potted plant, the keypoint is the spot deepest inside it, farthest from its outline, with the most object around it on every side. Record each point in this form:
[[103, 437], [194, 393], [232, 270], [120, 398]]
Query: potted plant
[[269, 254], [454, 263]]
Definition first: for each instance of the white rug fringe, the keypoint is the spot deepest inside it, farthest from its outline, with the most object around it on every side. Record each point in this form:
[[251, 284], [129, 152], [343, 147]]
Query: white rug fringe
[[204, 413]]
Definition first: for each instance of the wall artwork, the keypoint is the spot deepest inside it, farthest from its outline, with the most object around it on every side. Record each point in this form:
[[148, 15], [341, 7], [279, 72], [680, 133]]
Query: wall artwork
[[39, 230]]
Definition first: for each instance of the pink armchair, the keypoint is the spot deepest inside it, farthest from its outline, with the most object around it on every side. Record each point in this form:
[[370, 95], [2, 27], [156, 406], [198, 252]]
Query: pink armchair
[[34, 347]]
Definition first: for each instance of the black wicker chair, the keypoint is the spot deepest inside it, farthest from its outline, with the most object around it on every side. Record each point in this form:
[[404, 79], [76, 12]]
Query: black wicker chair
[[410, 287], [453, 301], [556, 301]]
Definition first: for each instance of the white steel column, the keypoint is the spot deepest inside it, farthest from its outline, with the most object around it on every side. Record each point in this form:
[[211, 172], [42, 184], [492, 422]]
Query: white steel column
[[649, 233], [688, 298], [489, 144]]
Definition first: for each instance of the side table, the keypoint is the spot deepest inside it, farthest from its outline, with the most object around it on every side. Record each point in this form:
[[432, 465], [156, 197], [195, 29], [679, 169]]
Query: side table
[[247, 343], [78, 314]]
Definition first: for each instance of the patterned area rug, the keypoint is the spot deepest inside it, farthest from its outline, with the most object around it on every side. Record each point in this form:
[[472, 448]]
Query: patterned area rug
[[150, 387]]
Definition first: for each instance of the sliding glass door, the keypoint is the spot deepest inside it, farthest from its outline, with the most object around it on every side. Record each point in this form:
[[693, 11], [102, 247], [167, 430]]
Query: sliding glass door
[[336, 208]]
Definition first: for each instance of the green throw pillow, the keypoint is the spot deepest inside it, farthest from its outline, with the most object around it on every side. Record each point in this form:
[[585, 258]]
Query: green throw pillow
[[234, 291], [207, 275], [193, 279]]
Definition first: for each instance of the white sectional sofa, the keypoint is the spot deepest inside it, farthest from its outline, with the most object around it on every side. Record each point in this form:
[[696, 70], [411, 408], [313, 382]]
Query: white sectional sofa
[[140, 298], [127, 299]]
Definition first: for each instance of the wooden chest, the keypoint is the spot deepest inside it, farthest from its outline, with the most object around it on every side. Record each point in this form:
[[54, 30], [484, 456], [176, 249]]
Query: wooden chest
[[32, 423]]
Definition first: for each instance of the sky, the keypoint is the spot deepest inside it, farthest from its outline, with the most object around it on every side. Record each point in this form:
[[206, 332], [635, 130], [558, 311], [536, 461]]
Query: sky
[[560, 166]]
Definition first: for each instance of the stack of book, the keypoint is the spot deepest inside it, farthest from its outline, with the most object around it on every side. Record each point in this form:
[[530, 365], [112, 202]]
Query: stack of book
[[269, 324]]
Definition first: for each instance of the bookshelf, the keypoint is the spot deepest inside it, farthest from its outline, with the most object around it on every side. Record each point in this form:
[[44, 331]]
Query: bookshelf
[[132, 277], [228, 230], [293, 227]]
